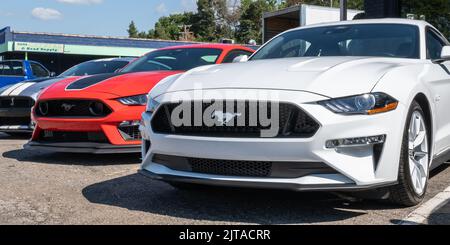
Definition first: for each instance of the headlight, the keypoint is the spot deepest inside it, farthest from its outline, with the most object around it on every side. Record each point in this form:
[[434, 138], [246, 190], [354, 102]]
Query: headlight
[[152, 105], [134, 100], [366, 104]]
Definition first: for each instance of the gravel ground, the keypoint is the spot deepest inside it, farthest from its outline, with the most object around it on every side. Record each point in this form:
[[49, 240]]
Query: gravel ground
[[51, 188]]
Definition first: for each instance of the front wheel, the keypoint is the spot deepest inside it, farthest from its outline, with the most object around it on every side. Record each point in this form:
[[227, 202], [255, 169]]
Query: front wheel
[[414, 161]]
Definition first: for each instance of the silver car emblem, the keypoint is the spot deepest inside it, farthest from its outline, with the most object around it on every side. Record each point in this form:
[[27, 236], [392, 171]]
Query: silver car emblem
[[224, 117], [12, 102], [67, 107]]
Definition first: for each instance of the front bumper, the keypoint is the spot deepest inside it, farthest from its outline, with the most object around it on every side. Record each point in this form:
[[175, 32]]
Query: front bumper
[[88, 148], [116, 141], [15, 120], [357, 167], [290, 184]]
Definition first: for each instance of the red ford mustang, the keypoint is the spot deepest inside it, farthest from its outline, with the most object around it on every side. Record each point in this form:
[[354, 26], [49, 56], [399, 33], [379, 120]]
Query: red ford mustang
[[100, 114]]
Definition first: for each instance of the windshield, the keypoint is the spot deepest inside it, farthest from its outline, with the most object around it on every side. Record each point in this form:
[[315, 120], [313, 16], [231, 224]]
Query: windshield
[[377, 40], [94, 67], [181, 59]]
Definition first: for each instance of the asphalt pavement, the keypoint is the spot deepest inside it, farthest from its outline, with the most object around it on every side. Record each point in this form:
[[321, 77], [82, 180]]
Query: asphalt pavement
[[53, 188]]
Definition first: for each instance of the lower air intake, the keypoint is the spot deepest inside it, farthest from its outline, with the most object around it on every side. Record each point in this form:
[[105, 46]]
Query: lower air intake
[[231, 168], [68, 137], [256, 169]]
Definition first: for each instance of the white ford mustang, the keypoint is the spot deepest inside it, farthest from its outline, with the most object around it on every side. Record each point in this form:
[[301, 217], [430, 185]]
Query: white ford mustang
[[344, 106]]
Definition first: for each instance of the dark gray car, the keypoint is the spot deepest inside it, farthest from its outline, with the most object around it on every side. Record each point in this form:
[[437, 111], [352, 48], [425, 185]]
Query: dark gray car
[[17, 100]]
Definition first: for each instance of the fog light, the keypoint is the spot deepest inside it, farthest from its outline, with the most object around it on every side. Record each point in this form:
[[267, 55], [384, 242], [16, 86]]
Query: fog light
[[354, 142]]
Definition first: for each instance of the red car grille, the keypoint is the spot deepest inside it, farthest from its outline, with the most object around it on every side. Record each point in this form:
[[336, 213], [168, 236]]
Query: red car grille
[[72, 109]]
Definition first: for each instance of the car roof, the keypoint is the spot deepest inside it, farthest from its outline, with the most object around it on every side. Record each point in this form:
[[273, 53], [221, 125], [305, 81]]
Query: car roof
[[210, 45], [18, 61], [419, 23], [128, 59]]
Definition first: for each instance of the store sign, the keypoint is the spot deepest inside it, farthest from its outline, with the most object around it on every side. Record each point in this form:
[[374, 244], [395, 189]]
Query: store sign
[[38, 47]]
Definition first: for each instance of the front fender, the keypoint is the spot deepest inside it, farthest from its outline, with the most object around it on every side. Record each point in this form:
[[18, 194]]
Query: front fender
[[406, 83]]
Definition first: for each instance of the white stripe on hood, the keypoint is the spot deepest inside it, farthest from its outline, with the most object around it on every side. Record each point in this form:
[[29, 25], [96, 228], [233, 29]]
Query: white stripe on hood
[[10, 89], [20, 89]]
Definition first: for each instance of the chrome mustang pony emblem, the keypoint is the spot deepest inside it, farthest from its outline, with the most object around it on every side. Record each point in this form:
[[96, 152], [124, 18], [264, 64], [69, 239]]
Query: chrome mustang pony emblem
[[67, 107], [224, 117]]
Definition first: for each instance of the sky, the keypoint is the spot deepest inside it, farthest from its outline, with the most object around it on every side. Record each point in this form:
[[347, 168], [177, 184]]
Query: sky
[[89, 17]]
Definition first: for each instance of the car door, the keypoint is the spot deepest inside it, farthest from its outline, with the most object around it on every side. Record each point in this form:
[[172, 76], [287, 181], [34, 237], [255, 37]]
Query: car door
[[11, 72], [439, 79]]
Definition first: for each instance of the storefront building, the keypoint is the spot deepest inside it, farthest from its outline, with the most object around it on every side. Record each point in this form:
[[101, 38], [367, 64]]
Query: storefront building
[[60, 51]]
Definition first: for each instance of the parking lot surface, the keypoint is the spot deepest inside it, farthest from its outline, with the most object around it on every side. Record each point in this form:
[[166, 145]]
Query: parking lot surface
[[53, 188]]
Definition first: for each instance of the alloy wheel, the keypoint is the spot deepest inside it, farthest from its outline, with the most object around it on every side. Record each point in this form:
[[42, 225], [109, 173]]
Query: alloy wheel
[[418, 153]]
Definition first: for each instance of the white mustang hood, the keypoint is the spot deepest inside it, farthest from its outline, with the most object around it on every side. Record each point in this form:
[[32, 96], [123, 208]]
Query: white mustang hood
[[328, 76]]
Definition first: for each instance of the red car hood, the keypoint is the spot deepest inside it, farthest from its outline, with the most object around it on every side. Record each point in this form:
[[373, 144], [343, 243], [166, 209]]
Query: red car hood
[[120, 85], [131, 83]]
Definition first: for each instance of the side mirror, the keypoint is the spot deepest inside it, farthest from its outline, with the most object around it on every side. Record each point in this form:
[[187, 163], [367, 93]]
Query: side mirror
[[52, 74], [445, 53], [240, 59]]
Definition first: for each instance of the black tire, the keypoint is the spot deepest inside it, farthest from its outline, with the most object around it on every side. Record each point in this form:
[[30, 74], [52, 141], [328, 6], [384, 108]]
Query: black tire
[[403, 193]]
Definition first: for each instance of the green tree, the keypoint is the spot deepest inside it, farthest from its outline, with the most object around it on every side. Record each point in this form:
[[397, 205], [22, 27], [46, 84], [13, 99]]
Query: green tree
[[204, 25], [215, 19], [289, 3], [250, 27], [132, 30], [169, 27], [356, 4], [436, 12], [352, 4], [227, 14]]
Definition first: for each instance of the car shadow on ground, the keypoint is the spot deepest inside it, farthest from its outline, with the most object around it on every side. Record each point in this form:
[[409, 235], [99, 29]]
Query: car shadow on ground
[[439, 169], [19, 136], [138, 193], [44, 157], [440, 216]]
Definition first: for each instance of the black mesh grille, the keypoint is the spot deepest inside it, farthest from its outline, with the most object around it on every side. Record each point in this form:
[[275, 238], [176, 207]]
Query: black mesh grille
[[71, 108], [14, 121], [130, 132], [261, 169], [68, 137], [293, 122], [16, 102], [230, 168]]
